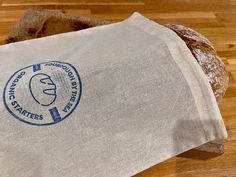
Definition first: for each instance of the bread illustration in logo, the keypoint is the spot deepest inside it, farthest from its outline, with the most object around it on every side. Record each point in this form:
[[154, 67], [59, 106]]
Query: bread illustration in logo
[[43, 89]]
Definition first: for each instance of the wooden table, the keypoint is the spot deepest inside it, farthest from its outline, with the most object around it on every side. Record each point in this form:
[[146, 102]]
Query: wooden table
[[216, 19]]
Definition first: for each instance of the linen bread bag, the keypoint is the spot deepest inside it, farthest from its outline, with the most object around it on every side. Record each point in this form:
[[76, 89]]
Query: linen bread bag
[[106, 101], [38, 22]]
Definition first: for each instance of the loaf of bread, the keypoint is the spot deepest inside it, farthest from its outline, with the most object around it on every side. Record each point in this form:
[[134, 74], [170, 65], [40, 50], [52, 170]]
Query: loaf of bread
[[39, 23], [207, 58]]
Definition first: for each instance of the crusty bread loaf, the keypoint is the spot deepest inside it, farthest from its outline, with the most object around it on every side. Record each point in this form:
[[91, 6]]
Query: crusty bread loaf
[[206, 56], [39, 23]]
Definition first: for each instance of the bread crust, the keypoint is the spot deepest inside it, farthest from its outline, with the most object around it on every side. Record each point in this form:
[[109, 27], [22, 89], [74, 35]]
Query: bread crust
[[207, 58]]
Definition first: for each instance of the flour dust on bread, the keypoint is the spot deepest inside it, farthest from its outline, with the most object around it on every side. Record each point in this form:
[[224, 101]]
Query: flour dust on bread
[[207, 58]]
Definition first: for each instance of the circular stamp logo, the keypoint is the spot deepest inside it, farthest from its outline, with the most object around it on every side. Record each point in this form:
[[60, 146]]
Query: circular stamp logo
[[44, 93]]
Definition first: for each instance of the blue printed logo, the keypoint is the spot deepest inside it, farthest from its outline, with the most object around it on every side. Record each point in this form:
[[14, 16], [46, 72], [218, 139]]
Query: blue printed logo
[[43, 94]]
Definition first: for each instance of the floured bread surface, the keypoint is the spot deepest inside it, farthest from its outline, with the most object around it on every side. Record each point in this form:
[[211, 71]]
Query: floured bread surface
[[207, 58]]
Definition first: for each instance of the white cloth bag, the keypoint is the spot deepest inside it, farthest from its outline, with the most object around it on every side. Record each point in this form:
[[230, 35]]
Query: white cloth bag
[[106, 101]]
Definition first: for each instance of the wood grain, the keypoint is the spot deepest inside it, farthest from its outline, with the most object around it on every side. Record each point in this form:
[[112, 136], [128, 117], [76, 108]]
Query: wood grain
[[216, 19]]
